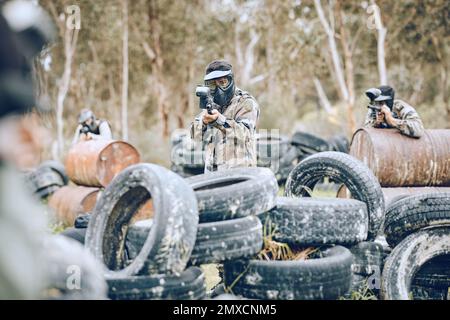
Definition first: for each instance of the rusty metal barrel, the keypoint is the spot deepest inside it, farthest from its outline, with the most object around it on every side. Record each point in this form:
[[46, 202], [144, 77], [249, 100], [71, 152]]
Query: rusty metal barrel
[[401, 161], [95, 163], [392, 193], [70, 201]]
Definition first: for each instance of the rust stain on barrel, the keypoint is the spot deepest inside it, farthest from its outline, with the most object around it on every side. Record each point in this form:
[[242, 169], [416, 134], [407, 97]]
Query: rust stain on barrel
[[401, 161], [69, 201], [96, 162]]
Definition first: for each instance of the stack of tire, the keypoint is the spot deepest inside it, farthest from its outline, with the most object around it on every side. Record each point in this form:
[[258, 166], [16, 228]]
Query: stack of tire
[[274, 151], [201, 220], [417, 227], [289, 152], [228, 202], [158, 266], [336, 226], [187, 157], [416, 191], [47, 178]]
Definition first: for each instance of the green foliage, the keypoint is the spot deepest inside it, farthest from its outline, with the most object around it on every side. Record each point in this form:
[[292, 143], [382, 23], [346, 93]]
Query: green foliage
[[290, 51]]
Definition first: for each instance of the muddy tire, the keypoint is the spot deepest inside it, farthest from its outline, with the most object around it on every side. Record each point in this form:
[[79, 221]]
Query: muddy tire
[[407, 258], [66, 258], [367, 258], [309, 142], [314, 221], [344, 169], [227, 240], [339, 143], [322, 278], [287, 162], [428, 293], [58, 167], [270, 150], [434, 273], [412, 213], [171, 239], [189, 285], [235, 193], [44, 181], [215, 242], [78, 234]]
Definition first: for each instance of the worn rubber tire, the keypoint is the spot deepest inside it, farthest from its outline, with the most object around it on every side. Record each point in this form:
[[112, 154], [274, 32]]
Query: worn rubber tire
[[434, 273], [415, 212], [216, 241], [271, 148], [78, 234], [44, 181], [316, 221], [345, 169], [189, 285], [247, 191], [191, 159], [169, 244], [58, 167], [428, 293], [227, 240], [339, 143], [323, 278], [66, 258], [367, 257], [287, 162], [407, 258], [310, 142]]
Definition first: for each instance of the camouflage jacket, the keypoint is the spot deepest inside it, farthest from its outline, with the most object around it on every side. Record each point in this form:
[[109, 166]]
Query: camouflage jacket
[[230, 141], [409, 122]]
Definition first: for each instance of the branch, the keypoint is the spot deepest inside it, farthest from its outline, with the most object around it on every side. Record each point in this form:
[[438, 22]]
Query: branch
[[334, 52], [323, 99]]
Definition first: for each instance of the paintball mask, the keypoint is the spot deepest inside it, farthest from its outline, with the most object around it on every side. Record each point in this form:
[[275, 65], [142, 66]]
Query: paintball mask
[[83, 119], [387, 96], [219, 78]]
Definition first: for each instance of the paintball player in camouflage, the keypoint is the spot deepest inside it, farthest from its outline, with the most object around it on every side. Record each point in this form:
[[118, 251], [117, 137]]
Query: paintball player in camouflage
[[228, 133], [91, 128], [394, 114]]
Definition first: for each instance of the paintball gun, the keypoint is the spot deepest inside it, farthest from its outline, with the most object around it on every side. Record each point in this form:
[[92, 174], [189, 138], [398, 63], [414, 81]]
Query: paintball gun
[[84, 129], [372, 94], [206, 100]]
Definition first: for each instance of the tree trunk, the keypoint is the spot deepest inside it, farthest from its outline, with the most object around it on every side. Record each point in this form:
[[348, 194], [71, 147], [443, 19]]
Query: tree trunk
[[70, 40], [323, 99], [349, 74], [381, 32], [338, 70], [346, 88], [125, 71], [157, 66]]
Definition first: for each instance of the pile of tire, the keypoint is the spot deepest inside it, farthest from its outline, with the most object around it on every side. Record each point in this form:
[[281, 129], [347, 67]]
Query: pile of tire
[[47, 178], [228, 202], [281, 154], [417, 227], [336, 226], [187, 157], [159, 268], [340, 168], [277, 152], [201, 220]]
